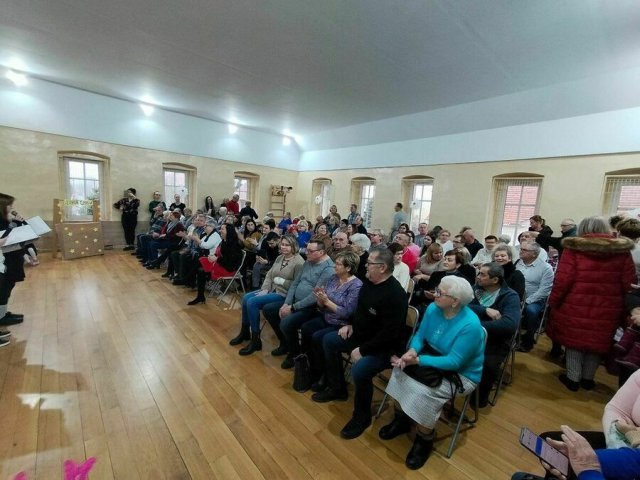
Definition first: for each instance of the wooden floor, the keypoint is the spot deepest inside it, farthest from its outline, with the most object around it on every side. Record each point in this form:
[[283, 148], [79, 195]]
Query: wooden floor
[[111, 363]]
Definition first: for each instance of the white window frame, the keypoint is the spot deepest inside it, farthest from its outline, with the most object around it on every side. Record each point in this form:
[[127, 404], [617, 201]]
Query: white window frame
[[613, 190], [524, 210], [363, 195], [77, 212], [244, 193], [170, 189], [321, 189], [419, 208]]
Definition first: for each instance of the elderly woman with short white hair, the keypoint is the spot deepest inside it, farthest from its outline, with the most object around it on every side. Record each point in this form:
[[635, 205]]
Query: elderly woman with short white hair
[[360, 245], [445, 357]]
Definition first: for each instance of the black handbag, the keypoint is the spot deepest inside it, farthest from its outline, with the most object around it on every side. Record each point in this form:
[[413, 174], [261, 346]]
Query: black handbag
[[431, 376], [302, 373]]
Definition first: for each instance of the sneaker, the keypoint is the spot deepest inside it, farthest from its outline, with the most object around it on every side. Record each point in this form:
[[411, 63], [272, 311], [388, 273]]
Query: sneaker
[[4, 334], [4, 342], [354, 428]]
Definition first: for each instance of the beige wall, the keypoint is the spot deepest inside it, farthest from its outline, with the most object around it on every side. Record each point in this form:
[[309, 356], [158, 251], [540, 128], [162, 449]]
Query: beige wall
[[30, 172], [572, 187], [462, 192]]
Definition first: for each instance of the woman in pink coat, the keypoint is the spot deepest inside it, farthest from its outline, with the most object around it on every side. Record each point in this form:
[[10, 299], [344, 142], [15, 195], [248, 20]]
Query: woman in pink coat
[[587, 299]]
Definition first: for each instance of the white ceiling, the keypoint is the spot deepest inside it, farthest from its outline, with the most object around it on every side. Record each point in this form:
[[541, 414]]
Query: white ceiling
[[321, 65]]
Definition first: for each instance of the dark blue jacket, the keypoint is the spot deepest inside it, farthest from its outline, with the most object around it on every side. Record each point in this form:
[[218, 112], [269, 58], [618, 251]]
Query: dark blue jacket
[[508, 304]]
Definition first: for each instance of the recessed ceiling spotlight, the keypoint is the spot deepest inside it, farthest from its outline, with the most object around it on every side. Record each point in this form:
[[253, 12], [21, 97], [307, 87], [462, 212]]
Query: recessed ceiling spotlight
[[232, 128], [286, 141], [19, 79], [147, 109]]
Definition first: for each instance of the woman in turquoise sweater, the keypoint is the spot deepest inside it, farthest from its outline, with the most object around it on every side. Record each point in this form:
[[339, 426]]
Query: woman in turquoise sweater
[[449, 339]]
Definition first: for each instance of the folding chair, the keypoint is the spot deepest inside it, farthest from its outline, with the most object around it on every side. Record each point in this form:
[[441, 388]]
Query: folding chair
[[543, 321], [412, 321], [410, 287], [462, 419], [230, 280], [508, 362]]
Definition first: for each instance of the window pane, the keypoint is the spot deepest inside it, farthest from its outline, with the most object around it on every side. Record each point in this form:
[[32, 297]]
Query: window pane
[[76, 189], [629, 198], [91, 171], [168, 178], [180, 179], [76, 170]]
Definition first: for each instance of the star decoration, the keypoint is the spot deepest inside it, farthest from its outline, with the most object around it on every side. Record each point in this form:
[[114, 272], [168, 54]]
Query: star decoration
[[95, 229], [72, 250], [70, 234]]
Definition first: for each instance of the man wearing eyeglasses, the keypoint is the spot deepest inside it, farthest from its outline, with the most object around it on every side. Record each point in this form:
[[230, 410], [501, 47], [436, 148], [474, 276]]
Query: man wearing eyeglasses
[[568, 229], [538, 277], [374, 334], [300, 304]]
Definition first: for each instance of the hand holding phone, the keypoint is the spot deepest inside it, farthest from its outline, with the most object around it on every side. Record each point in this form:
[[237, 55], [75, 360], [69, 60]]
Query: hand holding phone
[[545, 452]]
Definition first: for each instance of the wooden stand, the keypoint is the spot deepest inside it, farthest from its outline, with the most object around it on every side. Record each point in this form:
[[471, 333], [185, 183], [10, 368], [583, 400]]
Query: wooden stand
[[76, 239]]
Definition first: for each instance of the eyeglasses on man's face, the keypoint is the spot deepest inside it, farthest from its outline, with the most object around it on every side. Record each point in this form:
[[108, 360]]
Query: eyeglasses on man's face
[[368, 264]]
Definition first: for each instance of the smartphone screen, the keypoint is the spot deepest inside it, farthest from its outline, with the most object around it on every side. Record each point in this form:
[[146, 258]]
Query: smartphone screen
[[544, 451]]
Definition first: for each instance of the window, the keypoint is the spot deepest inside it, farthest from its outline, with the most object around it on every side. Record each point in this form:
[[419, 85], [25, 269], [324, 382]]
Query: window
[[322, 191], [83, 181], [176, 181], [245, 185], [418, 192], [515, 201], [621, 194], [362, 192]]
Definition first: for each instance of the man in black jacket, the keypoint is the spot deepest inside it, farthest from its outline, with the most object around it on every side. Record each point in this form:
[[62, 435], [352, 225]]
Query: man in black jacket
[[375, 334], [498, 308]]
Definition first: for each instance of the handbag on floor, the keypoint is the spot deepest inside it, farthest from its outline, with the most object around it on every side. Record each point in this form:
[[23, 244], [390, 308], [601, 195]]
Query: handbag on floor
[[302, 373]]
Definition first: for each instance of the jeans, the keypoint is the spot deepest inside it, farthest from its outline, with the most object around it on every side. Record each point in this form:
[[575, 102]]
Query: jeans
[[362, 372], [312, 333], [290, 324], [252, 303], [531, 318]]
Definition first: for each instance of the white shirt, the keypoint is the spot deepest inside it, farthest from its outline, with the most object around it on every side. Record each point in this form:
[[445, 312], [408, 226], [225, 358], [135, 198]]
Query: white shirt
[[401, 273], [538, 279]]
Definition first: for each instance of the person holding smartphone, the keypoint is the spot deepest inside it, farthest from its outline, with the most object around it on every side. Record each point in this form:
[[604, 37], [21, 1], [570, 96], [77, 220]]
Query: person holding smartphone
[[587, 463]]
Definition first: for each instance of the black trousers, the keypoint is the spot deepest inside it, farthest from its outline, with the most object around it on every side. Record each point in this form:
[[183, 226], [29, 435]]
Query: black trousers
[[129, 223]]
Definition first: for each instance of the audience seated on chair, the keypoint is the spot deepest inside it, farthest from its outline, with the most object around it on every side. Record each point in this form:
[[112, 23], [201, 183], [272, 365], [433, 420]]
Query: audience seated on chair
[[449, 339], [300, 303], [538, 276], [274, 290], [157, 221], [168, 239], [184, 263], [430, 261], [484, 254], [498, 308], [452, 264], [374, 334], [336, 303], [400, 269], [360, 245], [223, 263], [502, 255]]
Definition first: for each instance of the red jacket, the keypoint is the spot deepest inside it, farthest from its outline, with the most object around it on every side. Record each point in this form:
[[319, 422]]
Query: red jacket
[[587, 299]]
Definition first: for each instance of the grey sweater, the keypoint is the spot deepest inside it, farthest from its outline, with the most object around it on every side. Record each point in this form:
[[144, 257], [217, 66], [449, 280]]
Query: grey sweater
[[300, 295], [289, 272]]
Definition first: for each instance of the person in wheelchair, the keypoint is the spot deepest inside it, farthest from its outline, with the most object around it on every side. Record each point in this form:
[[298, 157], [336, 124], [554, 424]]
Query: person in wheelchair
[[498, 308]]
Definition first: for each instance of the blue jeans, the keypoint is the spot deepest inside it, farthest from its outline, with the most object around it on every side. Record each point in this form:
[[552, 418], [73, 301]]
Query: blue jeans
[[362, 372], [252, 303], [290, 324], [531, 318]]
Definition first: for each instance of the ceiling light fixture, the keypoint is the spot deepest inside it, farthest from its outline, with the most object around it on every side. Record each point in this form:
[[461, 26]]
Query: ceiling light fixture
[[147, 109], [286, 141], [232, 128], [19, 79]]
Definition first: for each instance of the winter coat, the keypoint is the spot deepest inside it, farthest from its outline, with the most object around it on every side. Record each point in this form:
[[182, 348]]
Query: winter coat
[[587, 299]]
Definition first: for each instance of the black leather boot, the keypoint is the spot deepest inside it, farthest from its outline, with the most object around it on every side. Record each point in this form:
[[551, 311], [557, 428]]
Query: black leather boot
[[400, 424], [254, 346], [420, 451], [242, 336]]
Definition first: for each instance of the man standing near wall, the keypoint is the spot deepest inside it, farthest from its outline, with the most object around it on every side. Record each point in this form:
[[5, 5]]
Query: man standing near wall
[[399, 217], [353, 213]]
